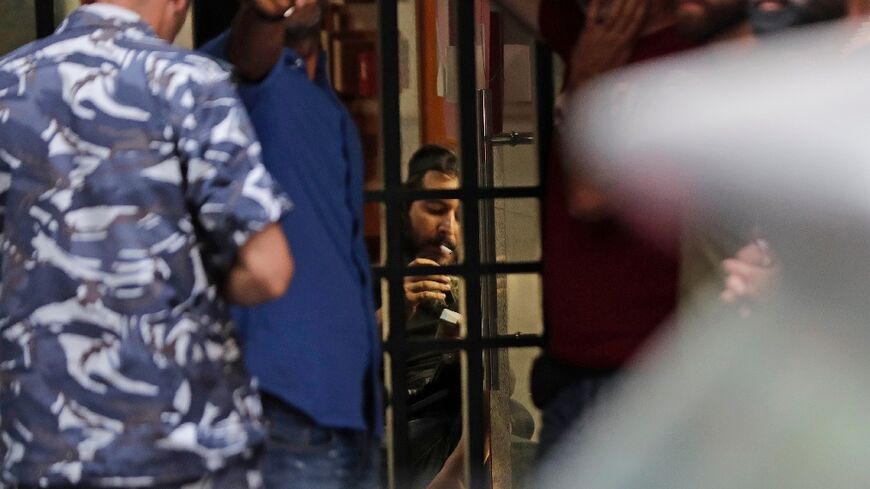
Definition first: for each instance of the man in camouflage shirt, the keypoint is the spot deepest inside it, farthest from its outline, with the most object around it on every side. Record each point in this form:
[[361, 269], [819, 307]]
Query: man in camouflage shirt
[[134, 204]]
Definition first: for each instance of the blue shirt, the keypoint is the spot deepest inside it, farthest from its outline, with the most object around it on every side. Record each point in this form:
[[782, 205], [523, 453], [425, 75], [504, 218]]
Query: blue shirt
[[317, 347], [129, 177]]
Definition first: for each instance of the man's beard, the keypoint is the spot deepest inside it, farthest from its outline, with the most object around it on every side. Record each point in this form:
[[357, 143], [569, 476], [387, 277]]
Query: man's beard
[[416, 248]]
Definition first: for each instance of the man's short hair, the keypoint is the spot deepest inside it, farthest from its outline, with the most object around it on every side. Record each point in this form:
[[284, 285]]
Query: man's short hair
[[430, 157]]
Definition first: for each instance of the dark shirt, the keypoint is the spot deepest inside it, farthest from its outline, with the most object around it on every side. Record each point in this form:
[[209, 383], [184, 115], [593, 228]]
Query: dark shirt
[[129, 178], [317, 347], [606, 289], [428, 366]]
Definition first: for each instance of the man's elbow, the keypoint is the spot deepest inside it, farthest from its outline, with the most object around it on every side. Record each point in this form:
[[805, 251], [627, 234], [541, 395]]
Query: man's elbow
[[272, 277], [274, 280], [263, 270]]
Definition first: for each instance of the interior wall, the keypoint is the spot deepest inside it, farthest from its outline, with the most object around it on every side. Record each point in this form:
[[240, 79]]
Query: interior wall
[[17, 24]]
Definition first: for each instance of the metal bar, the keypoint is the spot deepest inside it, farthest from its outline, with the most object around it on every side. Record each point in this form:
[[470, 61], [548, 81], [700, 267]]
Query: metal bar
[[544, 100], [483, 193], [45, 21], [391, 150], [462, 270], [486, 173], [521, 340], [464, 27], [511, 139]]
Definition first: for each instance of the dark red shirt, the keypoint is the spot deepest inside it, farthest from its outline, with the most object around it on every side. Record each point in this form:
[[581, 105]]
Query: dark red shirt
[[605, 288]]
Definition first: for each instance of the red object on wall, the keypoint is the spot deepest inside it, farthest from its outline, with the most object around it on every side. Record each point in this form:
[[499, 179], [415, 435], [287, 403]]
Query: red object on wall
[[368, 74]]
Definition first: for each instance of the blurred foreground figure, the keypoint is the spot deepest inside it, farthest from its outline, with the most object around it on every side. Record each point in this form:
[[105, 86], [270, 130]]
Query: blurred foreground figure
[[135, 204], [779, 400], [605, 288], [737, 255]]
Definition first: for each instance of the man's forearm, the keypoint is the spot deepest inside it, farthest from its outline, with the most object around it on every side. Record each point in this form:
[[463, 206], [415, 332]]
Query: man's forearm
[[244, 288], [255, 43], [263, 269]]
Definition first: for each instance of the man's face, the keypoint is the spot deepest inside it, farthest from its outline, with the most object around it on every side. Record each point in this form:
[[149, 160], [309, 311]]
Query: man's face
[[702, 19], [435, 222], [768, 16]]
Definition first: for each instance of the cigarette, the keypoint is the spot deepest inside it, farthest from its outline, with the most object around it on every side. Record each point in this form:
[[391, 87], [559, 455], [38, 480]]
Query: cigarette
[[446, 250], [289, 11]]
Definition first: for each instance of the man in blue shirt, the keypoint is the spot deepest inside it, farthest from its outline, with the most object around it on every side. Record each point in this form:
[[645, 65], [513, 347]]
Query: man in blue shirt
[[315, 351], [134, 204]]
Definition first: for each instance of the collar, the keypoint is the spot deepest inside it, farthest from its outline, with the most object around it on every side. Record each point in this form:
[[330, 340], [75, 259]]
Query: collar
[[321, 78], [104, 15]]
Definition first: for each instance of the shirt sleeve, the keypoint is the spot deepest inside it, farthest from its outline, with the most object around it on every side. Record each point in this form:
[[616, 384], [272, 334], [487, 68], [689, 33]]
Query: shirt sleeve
[[227, 188]]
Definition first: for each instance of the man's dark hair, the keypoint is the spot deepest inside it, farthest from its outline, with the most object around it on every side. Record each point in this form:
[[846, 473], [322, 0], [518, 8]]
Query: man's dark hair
[[430, 157]]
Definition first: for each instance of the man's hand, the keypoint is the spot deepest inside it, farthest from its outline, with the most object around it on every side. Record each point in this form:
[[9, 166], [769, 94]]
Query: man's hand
[[607, 39], [278, 9], [751, 275], [257, 35], [424, 287], [272, 8], [586, 201]]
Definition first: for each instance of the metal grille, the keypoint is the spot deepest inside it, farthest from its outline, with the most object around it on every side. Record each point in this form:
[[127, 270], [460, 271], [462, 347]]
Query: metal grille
[[473, 269], [214, 16]]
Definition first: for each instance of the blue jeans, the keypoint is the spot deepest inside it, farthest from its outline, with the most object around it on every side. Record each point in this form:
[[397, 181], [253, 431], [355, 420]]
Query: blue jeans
[[303, 455]]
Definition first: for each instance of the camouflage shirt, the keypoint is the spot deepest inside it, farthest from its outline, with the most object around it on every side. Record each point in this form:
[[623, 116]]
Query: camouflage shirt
[[129, 177]]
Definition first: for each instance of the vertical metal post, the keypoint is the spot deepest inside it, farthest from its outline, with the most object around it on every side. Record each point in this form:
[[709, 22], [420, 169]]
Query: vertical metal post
[[464, 26], [544, 99], [486, 172], [391, 150], [45, 22]]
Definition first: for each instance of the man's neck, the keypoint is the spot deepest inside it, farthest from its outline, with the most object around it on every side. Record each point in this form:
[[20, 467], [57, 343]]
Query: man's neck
[[119, 8], [146, 12]]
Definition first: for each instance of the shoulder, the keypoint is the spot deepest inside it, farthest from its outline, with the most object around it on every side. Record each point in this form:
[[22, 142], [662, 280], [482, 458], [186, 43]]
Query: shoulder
[[23, 57], [186, 66]]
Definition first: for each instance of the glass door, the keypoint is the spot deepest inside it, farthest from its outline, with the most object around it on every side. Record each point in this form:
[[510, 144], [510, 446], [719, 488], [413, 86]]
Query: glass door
[[472, 80]]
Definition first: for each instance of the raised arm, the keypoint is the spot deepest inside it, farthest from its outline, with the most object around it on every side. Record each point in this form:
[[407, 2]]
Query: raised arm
[[257, 37]]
